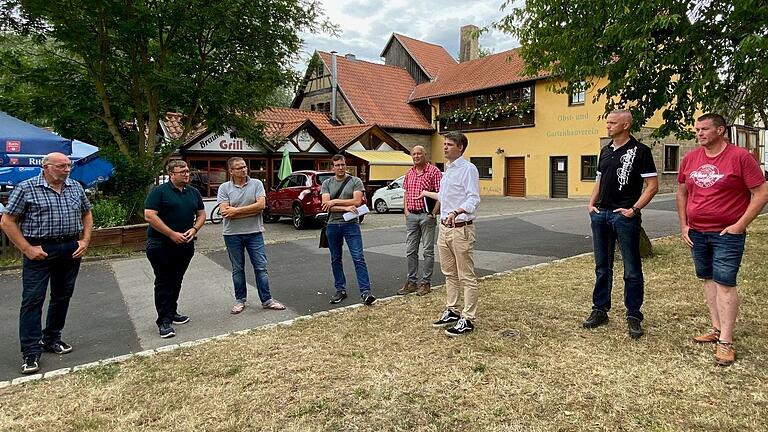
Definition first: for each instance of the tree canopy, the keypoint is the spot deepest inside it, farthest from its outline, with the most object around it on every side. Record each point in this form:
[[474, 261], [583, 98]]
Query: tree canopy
[[671, 55], [127, 62], [107, 71]]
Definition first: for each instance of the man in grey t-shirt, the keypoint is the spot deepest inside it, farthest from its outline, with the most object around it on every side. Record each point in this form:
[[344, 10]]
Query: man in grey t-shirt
[[339, 230], [241, 201]]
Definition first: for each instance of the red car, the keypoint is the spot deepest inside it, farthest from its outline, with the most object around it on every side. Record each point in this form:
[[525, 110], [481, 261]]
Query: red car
[[298, 197]]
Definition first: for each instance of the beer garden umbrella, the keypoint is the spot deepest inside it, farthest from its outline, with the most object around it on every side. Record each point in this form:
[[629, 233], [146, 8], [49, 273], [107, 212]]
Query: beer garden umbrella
[[285, 165], [20, 140]]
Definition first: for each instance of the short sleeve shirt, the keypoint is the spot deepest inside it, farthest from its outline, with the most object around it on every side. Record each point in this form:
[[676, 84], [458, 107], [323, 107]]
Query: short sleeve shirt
[[176, 208], [623, 172], [414, 183], [45, 213], [718, 187], [241, 196], [331, 186]]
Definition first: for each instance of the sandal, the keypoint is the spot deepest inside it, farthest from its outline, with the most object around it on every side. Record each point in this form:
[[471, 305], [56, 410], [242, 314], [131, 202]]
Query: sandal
[[273, 304], [237, 308]]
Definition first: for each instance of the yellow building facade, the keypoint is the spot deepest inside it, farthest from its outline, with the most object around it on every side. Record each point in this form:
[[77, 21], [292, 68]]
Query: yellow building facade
[[553, 151]]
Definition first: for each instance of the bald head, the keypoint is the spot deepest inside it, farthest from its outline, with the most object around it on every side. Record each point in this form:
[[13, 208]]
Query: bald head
[[56, 168], [618, 124], [419, 156]]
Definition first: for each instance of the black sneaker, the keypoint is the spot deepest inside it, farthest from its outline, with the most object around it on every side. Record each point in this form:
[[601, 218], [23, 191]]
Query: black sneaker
[[368, 299], [463, 326], [166, 331], [596, 319], [448, 317], [31, 364], [634, 327], [58, 347], [180, 319], [338, 297]]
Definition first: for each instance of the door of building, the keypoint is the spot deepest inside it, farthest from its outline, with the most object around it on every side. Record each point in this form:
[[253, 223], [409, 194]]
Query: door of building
[[515, 177], [558, 175]]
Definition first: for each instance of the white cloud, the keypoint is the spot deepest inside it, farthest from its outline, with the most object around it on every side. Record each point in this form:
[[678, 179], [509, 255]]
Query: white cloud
[[366, 25]]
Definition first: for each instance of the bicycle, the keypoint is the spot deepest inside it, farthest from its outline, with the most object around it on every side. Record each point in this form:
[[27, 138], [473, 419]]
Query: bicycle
[[216, 217]]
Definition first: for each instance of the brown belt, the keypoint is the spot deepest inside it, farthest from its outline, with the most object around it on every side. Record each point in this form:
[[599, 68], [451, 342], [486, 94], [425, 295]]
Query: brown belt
[[458, 224]]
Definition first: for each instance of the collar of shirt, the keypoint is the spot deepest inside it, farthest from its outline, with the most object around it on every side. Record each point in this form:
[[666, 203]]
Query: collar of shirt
[[247, 180], [457, 162], [41, 181]]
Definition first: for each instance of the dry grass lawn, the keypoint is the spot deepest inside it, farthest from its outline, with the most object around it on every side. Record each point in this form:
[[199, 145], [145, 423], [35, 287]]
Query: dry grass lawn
[[529, 366]]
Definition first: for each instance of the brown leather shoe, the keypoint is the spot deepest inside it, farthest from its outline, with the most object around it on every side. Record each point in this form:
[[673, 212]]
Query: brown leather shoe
[[725, 354], [712, 336], [408, 288], [424, 289]]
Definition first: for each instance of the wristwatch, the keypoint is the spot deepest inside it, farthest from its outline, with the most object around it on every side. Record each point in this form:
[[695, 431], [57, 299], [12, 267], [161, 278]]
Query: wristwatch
[[636, 210]]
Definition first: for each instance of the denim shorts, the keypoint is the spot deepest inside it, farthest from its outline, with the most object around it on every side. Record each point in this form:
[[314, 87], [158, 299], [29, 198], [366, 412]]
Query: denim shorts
[[717, 257]]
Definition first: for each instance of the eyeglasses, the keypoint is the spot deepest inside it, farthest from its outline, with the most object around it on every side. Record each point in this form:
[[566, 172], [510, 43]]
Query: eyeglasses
[[61, 165], [240, 167], [182, 172]]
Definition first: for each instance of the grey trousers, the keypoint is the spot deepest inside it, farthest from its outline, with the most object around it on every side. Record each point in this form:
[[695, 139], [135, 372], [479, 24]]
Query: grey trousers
[[420, 231]]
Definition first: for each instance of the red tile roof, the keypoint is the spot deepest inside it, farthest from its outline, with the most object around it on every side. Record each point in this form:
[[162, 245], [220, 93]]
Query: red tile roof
[[378, 93], [492, 71], [343, 135], [287, 115], [282, 122], [430, 57], [175, 127]]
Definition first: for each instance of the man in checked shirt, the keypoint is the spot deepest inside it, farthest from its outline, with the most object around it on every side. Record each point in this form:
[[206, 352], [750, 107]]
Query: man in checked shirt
[[49, 219], [420, 222]]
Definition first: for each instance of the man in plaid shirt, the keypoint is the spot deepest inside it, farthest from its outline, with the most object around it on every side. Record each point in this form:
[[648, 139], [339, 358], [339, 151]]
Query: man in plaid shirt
[[420, 222], [49, 219]]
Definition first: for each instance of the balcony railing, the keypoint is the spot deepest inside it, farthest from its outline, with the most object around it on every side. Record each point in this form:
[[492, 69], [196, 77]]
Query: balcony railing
[[501, 122]]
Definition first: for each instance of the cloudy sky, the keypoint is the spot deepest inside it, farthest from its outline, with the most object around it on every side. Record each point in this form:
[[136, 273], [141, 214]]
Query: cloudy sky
[[366, 25]]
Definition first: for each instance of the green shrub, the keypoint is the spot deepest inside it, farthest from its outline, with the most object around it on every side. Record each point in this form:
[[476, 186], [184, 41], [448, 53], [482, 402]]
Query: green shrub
[[109, 212]]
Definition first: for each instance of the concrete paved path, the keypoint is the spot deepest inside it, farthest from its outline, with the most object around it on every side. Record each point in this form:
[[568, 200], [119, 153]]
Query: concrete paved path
[[112, 311]]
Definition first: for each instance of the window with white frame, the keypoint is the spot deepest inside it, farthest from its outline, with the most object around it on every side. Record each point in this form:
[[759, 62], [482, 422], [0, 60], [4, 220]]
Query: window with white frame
[[578, 93]]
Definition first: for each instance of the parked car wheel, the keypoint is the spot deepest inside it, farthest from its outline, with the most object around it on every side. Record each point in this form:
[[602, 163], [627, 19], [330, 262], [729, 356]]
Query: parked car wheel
[[380, 206], [298, 217], [268, 217]]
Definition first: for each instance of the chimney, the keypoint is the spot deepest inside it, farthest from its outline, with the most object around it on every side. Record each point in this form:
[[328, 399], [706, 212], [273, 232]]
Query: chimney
[[333, 86], [350, 57], [468, 44]]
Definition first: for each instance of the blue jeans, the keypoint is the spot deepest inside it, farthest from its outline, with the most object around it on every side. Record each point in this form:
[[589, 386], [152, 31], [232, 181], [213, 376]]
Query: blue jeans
[[349, 232], [717, 257], [607, 228], [237, 244], [61, 270]]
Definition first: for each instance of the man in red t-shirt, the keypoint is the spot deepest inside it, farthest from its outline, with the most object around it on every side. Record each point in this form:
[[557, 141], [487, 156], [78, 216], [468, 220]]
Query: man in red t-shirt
[[420, 222], [721, 190]]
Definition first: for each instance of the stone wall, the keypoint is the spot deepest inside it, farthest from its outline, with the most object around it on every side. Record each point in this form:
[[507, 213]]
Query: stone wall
[[410, 140], [667, 180]]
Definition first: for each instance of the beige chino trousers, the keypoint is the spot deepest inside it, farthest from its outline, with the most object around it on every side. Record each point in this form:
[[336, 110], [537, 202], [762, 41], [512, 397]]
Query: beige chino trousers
[[456, 247]]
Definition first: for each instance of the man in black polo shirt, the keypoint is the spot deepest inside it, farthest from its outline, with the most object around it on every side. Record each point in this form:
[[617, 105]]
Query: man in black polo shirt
[[614, 209], [175, 214]]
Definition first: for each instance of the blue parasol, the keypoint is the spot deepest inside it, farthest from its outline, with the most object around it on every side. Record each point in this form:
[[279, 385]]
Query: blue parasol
[[21, 138]]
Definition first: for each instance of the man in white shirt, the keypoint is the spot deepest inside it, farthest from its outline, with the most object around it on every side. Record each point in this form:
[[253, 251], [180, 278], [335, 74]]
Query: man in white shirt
[[459, 197]]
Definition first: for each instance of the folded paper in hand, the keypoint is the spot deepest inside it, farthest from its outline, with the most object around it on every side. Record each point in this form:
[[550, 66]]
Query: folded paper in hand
[[363, 209]]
